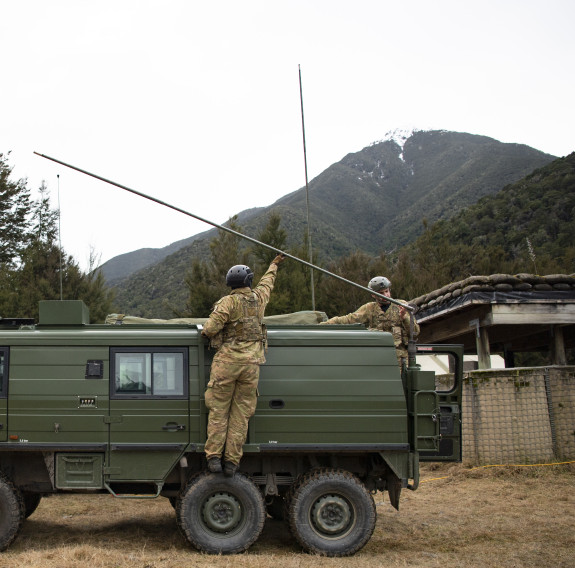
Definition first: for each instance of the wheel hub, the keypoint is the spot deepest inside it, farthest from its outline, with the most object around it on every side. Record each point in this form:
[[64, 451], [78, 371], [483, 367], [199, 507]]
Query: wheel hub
[[331, 515], [222, 512]]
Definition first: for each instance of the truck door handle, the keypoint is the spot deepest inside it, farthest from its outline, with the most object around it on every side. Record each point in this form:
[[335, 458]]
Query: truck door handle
[[174, 427]]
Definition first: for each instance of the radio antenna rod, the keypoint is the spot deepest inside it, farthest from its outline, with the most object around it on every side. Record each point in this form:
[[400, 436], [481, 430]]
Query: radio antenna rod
[[228, 230], [60, 238], [306, 192]]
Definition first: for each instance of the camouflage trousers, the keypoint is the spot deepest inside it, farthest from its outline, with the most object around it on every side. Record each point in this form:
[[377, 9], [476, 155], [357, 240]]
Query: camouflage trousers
[[401, 357], [231, 398]]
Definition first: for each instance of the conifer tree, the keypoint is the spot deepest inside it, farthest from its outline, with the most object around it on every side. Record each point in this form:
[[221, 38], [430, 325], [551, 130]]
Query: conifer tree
[[338, 298], [206, 281], [15, 206], [34, 267]]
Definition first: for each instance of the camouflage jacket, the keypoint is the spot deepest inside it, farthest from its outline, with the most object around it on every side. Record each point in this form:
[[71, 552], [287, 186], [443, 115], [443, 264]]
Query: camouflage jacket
[[227, 313], [373, 317]]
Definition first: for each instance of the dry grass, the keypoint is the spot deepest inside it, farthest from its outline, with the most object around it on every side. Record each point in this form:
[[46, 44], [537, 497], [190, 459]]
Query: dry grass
[[512, 517]]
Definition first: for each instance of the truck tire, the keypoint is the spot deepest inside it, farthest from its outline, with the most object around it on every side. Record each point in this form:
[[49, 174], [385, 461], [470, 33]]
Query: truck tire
[[331, 513], [221, 515], [31, 502], [11, 512]]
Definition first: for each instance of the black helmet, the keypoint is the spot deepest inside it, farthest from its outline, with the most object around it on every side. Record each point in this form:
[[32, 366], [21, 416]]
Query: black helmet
[[239, 276]]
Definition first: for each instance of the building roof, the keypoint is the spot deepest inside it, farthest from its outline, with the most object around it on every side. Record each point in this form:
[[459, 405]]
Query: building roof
[[520, 312]]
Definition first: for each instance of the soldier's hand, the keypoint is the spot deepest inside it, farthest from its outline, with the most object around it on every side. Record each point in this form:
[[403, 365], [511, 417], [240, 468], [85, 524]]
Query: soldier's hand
[[279, 258]]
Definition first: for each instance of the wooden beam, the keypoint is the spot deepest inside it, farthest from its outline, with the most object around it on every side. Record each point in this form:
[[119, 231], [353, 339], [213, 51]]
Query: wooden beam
[[557, 346], [532, 314], [454, 325], [483, 353]]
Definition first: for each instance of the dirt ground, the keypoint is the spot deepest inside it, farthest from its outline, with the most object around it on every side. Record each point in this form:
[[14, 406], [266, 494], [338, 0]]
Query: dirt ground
[[489, 517]]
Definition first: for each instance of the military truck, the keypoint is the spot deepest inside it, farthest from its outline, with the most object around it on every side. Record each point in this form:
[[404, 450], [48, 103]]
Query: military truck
[[120, 409]]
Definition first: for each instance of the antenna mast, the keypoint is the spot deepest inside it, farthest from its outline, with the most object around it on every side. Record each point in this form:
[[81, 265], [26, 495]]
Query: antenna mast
[[60, 238], [306, 194]]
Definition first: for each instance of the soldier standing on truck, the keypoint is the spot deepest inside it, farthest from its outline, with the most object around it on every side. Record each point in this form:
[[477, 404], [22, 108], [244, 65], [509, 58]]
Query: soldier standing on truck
[[382, 315], [235, 328]]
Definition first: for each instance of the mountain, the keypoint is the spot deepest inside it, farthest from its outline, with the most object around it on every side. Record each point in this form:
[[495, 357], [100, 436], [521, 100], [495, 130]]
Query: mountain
[[122, 266], [373, 200]]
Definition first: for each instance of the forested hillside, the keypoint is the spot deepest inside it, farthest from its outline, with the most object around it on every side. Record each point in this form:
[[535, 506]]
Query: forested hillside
[[529, 226], [536, 213], [371, 201]]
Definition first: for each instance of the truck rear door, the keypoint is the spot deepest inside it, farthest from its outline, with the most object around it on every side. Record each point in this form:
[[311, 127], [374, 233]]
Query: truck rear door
[[447, 363]]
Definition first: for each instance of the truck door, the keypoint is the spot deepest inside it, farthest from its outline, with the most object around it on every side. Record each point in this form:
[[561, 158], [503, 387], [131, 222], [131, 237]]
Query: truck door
[[447, 363], [4, 352], [149, 412]]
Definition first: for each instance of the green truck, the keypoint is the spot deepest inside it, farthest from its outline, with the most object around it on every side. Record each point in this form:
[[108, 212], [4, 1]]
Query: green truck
[[120, 409]]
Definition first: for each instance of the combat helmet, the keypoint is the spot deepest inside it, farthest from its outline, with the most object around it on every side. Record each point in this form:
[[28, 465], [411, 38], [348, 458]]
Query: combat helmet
[[378, 283], [239, 276]]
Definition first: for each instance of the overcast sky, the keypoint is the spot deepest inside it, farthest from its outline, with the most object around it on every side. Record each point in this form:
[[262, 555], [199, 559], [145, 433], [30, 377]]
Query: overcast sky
[[197, 103]]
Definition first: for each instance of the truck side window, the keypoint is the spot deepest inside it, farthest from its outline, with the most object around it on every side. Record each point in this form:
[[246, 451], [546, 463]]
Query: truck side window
[[148, 372]]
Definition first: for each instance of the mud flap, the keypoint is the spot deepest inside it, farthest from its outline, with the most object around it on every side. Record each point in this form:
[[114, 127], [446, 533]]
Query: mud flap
[[393, 484]]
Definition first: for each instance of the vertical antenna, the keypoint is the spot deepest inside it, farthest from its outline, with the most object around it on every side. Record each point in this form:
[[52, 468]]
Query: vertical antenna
[[306, 192], [59, 237]]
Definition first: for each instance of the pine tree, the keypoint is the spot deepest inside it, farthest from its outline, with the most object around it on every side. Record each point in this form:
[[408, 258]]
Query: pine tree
[[338, 298], [15, 206], [206, 281], [37, 268]]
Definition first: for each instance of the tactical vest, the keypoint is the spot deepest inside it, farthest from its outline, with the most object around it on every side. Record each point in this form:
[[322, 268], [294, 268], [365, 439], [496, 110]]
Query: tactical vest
[[249, 326], [382, 321]]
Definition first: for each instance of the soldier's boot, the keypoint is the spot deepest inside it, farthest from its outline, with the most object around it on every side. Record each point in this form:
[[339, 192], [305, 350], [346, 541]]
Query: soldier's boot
[[215, 465], [230, 469]]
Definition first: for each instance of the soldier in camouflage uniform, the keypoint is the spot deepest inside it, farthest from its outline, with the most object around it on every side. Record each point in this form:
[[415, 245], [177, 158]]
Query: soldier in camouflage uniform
[[382, 315], [235, 329]]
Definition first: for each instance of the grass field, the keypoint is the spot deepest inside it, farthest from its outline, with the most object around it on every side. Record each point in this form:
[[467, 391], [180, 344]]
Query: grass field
[[491, 517]]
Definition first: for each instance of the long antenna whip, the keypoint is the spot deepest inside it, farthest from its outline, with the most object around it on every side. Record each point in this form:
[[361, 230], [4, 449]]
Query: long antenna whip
[[228, 230], [306, 192], [60, 238]]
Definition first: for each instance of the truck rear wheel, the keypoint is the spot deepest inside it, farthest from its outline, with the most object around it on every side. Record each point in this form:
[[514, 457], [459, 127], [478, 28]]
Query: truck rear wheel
[[11, 512], [331, 513], [221, 515]]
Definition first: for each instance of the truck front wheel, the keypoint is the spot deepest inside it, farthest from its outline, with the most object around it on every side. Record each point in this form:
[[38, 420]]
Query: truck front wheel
[[221, 515], [11, 512], [331, 513]]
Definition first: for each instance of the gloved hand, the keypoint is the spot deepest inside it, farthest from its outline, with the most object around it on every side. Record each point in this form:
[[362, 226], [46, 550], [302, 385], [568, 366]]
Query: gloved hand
[[279, 258]]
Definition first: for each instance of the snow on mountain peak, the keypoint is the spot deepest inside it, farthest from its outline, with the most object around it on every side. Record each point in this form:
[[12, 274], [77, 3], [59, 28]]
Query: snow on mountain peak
[[399, 135]]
